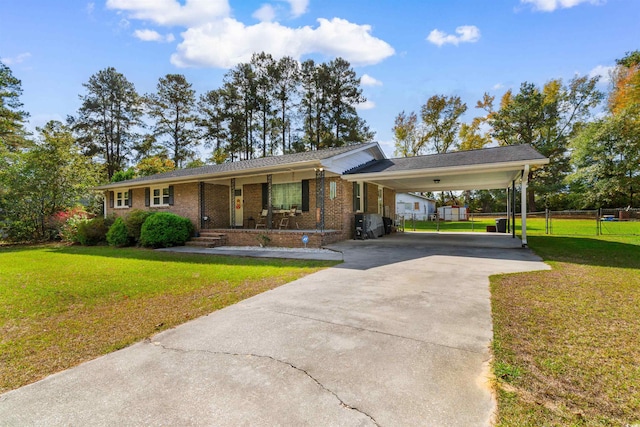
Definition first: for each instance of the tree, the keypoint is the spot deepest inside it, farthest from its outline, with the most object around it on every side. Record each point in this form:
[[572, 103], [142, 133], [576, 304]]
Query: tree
[[172, 109], [626, 83], [286, 77], [48, 178], [153, 165], [405, 135], [107, 121], [606, 155], [606, 152], [545, 119], [12, 117], [213, 116], [441, 121], [314, 102], [343, 94], [241, 102], [471, 136]]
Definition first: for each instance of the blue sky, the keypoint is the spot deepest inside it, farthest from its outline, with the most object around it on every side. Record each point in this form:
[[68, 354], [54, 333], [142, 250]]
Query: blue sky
[[405, 51]]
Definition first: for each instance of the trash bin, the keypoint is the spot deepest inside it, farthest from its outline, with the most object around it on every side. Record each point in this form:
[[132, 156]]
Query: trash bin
[[501, 225]]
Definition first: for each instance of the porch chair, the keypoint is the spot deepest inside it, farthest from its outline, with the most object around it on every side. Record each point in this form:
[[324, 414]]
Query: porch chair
[[262, 219], [289, 216]]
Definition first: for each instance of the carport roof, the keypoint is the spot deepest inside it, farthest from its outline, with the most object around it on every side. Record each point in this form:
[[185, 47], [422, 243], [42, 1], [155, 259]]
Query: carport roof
[[488, 168]]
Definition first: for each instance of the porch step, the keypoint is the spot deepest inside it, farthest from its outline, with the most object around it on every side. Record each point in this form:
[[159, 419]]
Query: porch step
[[208, 239]]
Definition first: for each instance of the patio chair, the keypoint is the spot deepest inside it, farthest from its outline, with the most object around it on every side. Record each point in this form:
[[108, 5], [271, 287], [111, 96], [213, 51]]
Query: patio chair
[[262, 219], [289, 216]]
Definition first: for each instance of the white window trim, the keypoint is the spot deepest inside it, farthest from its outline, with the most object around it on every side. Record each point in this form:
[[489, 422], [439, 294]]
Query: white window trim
[[360, 197], [151, 197], [124, 200]]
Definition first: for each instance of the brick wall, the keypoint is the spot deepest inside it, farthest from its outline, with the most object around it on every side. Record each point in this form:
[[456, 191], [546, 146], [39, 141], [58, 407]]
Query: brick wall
[[216, 206], [185, 203], [280, 238]]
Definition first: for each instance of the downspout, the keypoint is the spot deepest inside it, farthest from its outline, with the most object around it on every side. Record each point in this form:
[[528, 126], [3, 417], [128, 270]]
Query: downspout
[[525, 179]]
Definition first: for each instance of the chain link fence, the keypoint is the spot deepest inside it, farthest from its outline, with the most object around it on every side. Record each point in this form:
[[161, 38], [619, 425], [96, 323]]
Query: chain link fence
[[622, 222]]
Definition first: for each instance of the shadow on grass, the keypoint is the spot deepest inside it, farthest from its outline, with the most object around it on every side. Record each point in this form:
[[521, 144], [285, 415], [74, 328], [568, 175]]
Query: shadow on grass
[[587, 251], [157, 256]]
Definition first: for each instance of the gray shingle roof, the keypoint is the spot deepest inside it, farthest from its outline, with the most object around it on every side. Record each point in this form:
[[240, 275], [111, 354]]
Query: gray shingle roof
[[244, 165], [511, 153]]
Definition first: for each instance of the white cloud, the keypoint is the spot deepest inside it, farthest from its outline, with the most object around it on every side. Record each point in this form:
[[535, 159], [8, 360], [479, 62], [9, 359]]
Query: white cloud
[[366, 105], [602, 71], [172, 12], [466, 34], [91, 6], [153, 36], [497, 86], [215, 39], [266, 13], [16, 59], [225, 43], [551, 5], [367, 80], [298, 7]]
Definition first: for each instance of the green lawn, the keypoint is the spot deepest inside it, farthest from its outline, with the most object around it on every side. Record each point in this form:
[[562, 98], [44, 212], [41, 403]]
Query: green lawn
[[566, 349], [62, 305]]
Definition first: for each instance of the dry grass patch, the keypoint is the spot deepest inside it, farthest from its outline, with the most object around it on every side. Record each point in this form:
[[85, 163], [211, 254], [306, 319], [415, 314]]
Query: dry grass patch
[[60, 306], [566, 340]]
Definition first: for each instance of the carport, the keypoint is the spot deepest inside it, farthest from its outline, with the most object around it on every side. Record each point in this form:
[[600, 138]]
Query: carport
[[485, 169]]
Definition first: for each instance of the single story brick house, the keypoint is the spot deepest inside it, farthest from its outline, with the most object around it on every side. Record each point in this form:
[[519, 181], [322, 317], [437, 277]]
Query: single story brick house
[[314, 194]]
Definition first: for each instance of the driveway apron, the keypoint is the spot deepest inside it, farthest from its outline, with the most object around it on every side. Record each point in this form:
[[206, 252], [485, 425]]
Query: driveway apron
[[397, 335]]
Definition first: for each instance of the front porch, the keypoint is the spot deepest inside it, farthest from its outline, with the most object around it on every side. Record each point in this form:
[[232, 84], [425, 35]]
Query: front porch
[[280, 238]]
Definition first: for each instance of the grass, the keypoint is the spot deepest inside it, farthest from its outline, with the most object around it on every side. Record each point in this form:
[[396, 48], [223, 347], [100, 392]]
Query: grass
[[536, 226], [565, 345], [62, 305]]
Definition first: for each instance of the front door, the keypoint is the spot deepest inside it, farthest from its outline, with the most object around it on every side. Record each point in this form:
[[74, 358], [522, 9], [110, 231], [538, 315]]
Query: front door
[[237, 206]]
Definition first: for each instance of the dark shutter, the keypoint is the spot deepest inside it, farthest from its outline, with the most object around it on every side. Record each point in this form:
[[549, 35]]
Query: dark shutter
[[365, 208], [305, 195], [355, 196], [171, 195], [130, 201], [147, 196], [111, 199], [265, 195]]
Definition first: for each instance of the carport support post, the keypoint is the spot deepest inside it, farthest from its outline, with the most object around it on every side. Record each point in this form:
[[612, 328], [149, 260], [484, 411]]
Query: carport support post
[[513, 209], [523, 202], [508, 210]]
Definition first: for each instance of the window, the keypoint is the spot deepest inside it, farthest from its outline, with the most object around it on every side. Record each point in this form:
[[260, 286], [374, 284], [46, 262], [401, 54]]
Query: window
[[358, 196], [333, 190], [284, 196], [122, 199], [160, 196], [380, 201], [416, 206]]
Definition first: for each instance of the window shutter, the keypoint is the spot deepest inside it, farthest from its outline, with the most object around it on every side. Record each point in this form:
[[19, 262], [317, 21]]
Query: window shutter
[[147, 196], [365, 208], [265, 195], [355, 196], [111, 199], [130, 201], [305, 195], [171, 195]]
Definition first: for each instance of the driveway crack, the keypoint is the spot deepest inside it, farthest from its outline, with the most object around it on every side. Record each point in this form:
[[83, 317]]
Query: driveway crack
[[358, 328], [283, 362]]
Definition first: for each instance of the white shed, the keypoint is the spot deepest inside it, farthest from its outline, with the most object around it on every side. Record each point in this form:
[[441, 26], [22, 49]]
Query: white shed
[[414, 205], [453, 213]]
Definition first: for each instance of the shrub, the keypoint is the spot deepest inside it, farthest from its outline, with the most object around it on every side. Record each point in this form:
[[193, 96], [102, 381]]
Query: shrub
[[94, 231], [164, 229], [118, 235], [66, 223], [134, 221]]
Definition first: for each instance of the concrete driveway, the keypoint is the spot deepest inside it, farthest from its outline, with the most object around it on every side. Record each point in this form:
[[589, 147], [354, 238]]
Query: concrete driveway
[[397, 335]]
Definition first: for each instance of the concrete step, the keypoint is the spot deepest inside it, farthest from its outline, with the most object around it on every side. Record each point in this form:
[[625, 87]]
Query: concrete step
[[208, 240]]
